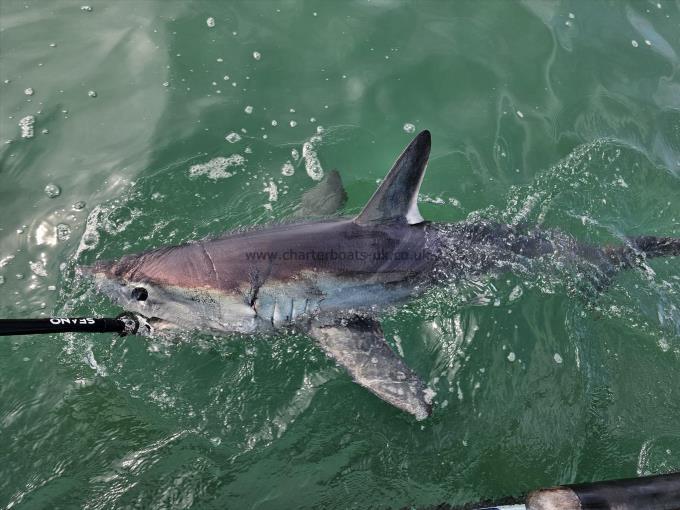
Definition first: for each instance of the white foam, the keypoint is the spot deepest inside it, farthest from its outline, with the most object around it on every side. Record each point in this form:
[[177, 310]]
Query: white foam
[[216, 168], [38, 268]]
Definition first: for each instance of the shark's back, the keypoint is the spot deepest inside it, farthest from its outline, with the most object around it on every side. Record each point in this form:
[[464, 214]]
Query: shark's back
[[338, 247]]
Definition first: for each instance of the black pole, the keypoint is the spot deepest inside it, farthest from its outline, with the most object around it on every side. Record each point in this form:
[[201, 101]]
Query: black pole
[[658, 492], [124, 324]]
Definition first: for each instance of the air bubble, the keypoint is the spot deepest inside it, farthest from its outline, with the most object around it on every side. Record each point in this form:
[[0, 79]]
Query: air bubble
[[38, 268], [232, 137], [92, 93], [90, 239], [293, 123], [287, 169], [29, 91], [409, 128], [210, 22], [52, 190], [86, 8], [257, 55], [248, 109], [78, 206], [63, 232]]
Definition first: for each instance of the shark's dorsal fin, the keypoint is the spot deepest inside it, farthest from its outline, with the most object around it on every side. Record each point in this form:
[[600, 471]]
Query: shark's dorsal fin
[[397, 197]]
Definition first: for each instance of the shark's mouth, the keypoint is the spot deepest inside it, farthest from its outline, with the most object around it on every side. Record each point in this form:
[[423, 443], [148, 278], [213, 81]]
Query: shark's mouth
[[162, 325]]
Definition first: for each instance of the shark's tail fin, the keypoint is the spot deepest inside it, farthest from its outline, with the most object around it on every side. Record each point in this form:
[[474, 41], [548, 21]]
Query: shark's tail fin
[[632, 253]]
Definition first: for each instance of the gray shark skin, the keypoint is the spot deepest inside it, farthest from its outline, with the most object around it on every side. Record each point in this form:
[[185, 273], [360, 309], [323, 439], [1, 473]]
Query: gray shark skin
[[332, 278]]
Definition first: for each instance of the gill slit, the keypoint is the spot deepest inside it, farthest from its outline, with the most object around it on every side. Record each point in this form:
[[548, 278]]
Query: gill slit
[[217, 276]]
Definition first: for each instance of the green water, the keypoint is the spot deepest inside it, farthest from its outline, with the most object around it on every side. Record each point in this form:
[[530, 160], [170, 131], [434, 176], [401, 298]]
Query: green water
[[565, 114]]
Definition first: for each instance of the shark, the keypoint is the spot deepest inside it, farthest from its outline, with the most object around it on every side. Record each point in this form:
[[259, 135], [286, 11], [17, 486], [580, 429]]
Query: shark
[[333, 278]]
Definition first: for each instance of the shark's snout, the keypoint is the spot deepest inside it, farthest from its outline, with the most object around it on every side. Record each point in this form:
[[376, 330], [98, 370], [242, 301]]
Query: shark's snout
[[100, 267]]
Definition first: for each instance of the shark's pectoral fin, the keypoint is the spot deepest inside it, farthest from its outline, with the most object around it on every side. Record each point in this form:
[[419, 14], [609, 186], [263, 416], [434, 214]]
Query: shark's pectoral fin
[[358, 344], [324, 199]]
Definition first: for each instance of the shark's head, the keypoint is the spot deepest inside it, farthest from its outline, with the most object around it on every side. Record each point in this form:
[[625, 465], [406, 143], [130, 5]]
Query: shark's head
[[135, 284]]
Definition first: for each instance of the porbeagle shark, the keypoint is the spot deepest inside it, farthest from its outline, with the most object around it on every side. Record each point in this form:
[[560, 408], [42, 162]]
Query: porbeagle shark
[[331, 278]]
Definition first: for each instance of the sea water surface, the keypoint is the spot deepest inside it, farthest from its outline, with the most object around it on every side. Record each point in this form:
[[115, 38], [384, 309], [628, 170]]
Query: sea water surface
[[130, 125]]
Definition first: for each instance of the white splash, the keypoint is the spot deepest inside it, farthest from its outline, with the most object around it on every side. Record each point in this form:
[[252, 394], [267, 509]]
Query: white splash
[[273, 191], [312, 163], [27, 125]]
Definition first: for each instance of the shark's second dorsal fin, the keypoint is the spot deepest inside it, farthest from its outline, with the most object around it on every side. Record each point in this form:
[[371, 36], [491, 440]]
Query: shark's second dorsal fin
[[397, 197]]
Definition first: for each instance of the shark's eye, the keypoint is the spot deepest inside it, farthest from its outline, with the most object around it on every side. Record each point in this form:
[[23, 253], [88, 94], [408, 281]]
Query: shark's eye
[[140, 294]]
